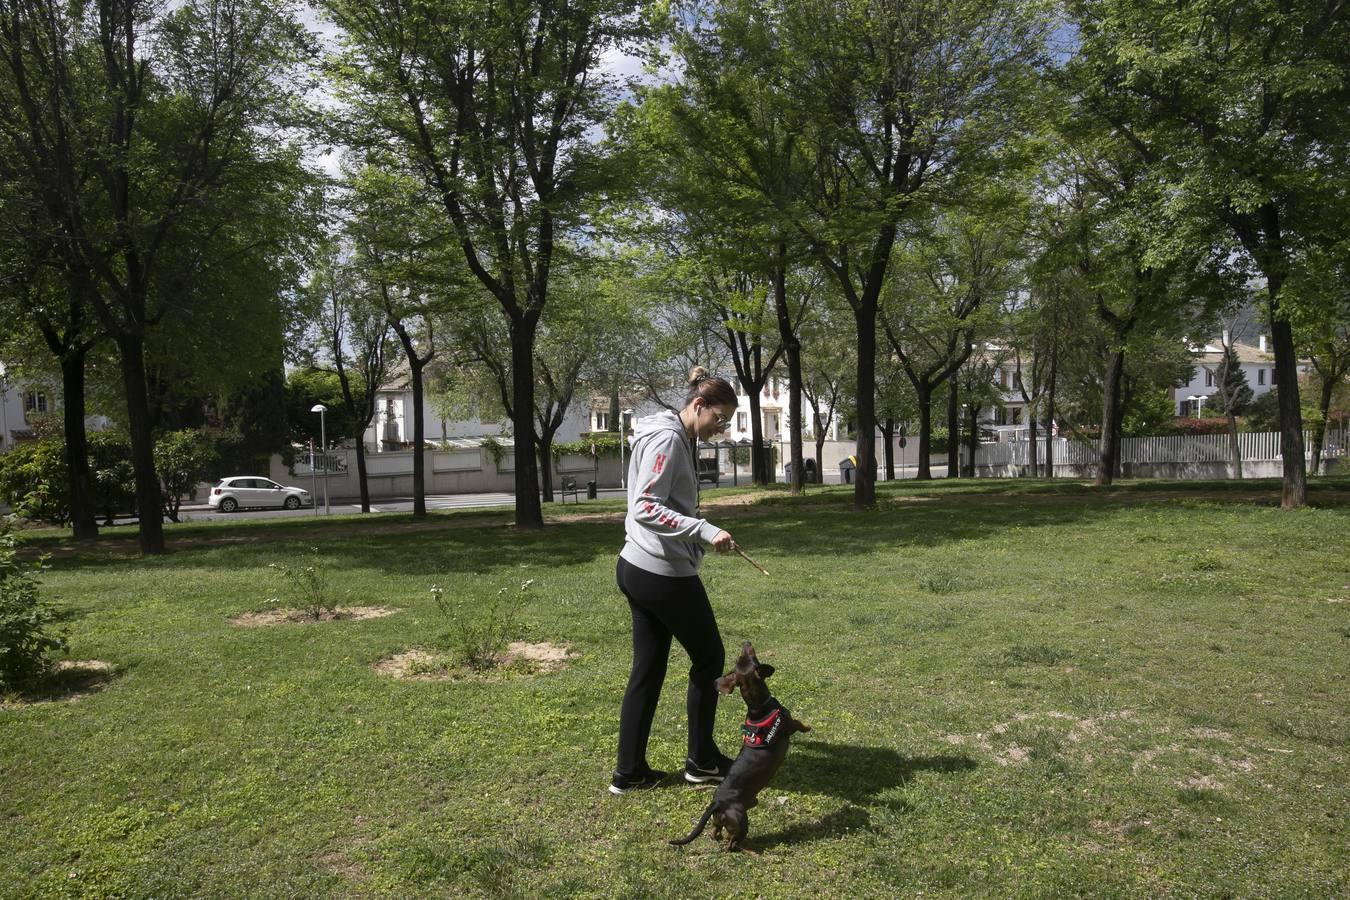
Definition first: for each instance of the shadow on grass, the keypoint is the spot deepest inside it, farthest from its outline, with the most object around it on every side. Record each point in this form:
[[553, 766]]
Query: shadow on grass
[[855, 774], [908, 514], [71, 680]]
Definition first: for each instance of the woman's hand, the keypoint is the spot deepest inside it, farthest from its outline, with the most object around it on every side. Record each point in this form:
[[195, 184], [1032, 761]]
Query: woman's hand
[[722, 542]]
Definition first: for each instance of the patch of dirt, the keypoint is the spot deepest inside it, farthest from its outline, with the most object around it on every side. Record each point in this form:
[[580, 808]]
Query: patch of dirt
[[1013, 756], [420, 665], [300, 617], [1202, 783], [70, 680]]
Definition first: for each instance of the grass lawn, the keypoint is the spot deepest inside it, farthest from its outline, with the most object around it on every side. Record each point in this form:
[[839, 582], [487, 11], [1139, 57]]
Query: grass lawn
[[1017, 689]]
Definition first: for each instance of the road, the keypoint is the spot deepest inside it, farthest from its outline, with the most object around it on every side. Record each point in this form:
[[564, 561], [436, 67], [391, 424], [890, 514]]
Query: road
[[200, 512]]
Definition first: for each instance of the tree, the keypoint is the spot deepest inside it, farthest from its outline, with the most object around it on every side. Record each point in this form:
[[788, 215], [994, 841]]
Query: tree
[[182, 459], [1321, 318], [1243, 107], [897, 129], [489, 104], [354, 328], [148, 135], [944, 295]]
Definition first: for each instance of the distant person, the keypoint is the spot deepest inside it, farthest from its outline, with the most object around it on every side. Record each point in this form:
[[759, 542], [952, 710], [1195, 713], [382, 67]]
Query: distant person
[[658, 574]]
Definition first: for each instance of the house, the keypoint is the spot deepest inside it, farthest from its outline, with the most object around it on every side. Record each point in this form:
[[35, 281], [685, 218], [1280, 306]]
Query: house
[[20, 398], [1256, 362], [392, 426]]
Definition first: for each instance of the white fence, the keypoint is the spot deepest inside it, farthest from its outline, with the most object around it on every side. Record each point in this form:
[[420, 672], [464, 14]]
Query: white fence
[[1195, 456]]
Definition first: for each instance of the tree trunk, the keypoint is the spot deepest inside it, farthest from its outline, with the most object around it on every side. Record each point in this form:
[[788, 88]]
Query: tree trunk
[[361, 471], [148, 509], [1109, 448], [973, 437], [1320, 433], [865, 476], [793, 350], [529, 514], [925, 396], [757, 462], [545, 447], [820, 446], [615, 413], [1034, 445], [1294, 487], [419, 429], [1050, 413], [888, 446], [1234, 450], [953, 429], [83, 525]]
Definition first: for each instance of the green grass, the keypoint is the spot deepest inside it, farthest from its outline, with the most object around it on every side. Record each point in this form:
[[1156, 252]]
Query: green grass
[[1017, 689]]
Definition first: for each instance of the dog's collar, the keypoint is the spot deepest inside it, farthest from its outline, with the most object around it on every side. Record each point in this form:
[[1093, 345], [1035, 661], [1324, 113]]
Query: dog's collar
[[763, 732]]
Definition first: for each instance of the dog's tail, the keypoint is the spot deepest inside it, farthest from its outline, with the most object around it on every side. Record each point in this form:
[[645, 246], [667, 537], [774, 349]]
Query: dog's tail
[[698, 829]]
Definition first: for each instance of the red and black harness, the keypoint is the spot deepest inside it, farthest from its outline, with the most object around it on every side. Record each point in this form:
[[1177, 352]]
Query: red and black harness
[[763, 732]]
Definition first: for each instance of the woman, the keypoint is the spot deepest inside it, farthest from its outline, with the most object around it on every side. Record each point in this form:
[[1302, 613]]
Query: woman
[[658, 573]]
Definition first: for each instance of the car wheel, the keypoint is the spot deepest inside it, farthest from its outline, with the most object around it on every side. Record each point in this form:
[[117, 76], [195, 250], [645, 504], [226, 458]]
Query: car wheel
[[292, 502], [229, 505]]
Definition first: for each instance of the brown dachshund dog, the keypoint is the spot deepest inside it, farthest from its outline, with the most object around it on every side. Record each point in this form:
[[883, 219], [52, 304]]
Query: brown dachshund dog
[[764, 744]]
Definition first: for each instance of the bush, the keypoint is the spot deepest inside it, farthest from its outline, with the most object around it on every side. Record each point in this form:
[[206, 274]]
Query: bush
[[25, 640], [182, 459], [478, 633], [33, 481]]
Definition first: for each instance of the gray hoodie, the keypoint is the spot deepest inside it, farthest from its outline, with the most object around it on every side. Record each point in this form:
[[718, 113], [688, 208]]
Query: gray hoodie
[[662, 531]]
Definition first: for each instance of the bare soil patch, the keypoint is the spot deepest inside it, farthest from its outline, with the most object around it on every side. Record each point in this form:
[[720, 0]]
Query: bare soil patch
[[71, 680], [520, 656], [301, 617]]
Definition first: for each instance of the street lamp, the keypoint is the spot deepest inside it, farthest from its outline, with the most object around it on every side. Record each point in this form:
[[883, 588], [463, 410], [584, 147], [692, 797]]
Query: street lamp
[[623, 436], [323, 448], [1199, 401]]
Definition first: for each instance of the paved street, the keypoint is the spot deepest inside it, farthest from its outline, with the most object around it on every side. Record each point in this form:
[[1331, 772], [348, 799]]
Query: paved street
[[200, 512]]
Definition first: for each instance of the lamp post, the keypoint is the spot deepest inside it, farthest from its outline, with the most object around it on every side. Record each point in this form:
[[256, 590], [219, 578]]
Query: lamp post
[[323, 449], [1199, 401]]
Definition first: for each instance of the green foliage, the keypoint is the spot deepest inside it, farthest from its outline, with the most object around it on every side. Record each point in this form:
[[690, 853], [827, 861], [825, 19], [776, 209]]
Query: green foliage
[[110, 472], [34, 482], [182, 459], [26, 638], [1232, 385], [309, 585], [306, 387], [1264, 413], [479, 631], [1149, 412], [606, 443]]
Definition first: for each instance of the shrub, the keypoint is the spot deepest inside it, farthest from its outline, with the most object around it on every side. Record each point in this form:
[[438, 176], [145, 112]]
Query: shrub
[[478, 634], [33, 481], [310, 582], [182, 459], [25, 638]]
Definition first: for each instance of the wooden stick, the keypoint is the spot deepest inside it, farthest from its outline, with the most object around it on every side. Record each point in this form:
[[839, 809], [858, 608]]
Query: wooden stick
[[747, 558]]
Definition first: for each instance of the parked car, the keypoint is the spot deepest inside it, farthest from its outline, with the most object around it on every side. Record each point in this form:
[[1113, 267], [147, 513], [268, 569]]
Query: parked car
[[241, 491]]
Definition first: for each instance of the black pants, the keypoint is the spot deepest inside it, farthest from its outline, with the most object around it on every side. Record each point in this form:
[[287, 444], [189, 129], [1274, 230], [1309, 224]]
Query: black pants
[[663, 607]]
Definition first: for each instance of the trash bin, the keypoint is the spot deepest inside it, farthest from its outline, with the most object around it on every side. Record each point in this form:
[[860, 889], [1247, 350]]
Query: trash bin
[[808, 471], [846, 467], [590, 490]]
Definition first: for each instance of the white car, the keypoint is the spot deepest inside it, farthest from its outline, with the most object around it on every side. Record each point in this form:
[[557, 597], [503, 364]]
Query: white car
[[239, 491]]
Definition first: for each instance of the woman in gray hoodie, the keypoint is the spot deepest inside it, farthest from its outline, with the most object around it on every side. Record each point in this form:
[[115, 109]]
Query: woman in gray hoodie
[[658, 574]]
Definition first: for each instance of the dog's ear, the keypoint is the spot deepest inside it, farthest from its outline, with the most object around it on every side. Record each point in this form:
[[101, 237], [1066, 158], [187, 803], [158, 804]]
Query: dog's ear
[[764, 670], [726, 684]]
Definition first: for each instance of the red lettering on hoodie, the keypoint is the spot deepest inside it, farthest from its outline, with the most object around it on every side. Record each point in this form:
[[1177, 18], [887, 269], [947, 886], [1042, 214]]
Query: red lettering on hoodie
[[660, 463]]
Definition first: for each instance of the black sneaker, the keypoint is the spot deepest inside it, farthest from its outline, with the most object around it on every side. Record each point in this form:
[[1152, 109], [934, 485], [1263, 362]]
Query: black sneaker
[[622, 785], [709, 774]]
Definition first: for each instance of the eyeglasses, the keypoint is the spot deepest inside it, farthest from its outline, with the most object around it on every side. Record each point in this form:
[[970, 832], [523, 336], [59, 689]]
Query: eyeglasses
[[719, 420]]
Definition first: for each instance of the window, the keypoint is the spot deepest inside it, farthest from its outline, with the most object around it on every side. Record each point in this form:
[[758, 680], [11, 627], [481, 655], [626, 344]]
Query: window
[[36, 401], [1209, 378], [1017, 381], [1273, 373], [1260, 376], [1017, 415], [740, 421], [1002, 378], [601, 421]]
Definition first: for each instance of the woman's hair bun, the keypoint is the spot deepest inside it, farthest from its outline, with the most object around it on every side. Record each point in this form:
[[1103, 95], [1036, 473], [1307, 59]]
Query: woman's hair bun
[[697, 374]]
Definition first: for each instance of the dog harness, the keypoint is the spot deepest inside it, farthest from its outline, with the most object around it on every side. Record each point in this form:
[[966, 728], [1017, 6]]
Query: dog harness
[[763, 732]]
